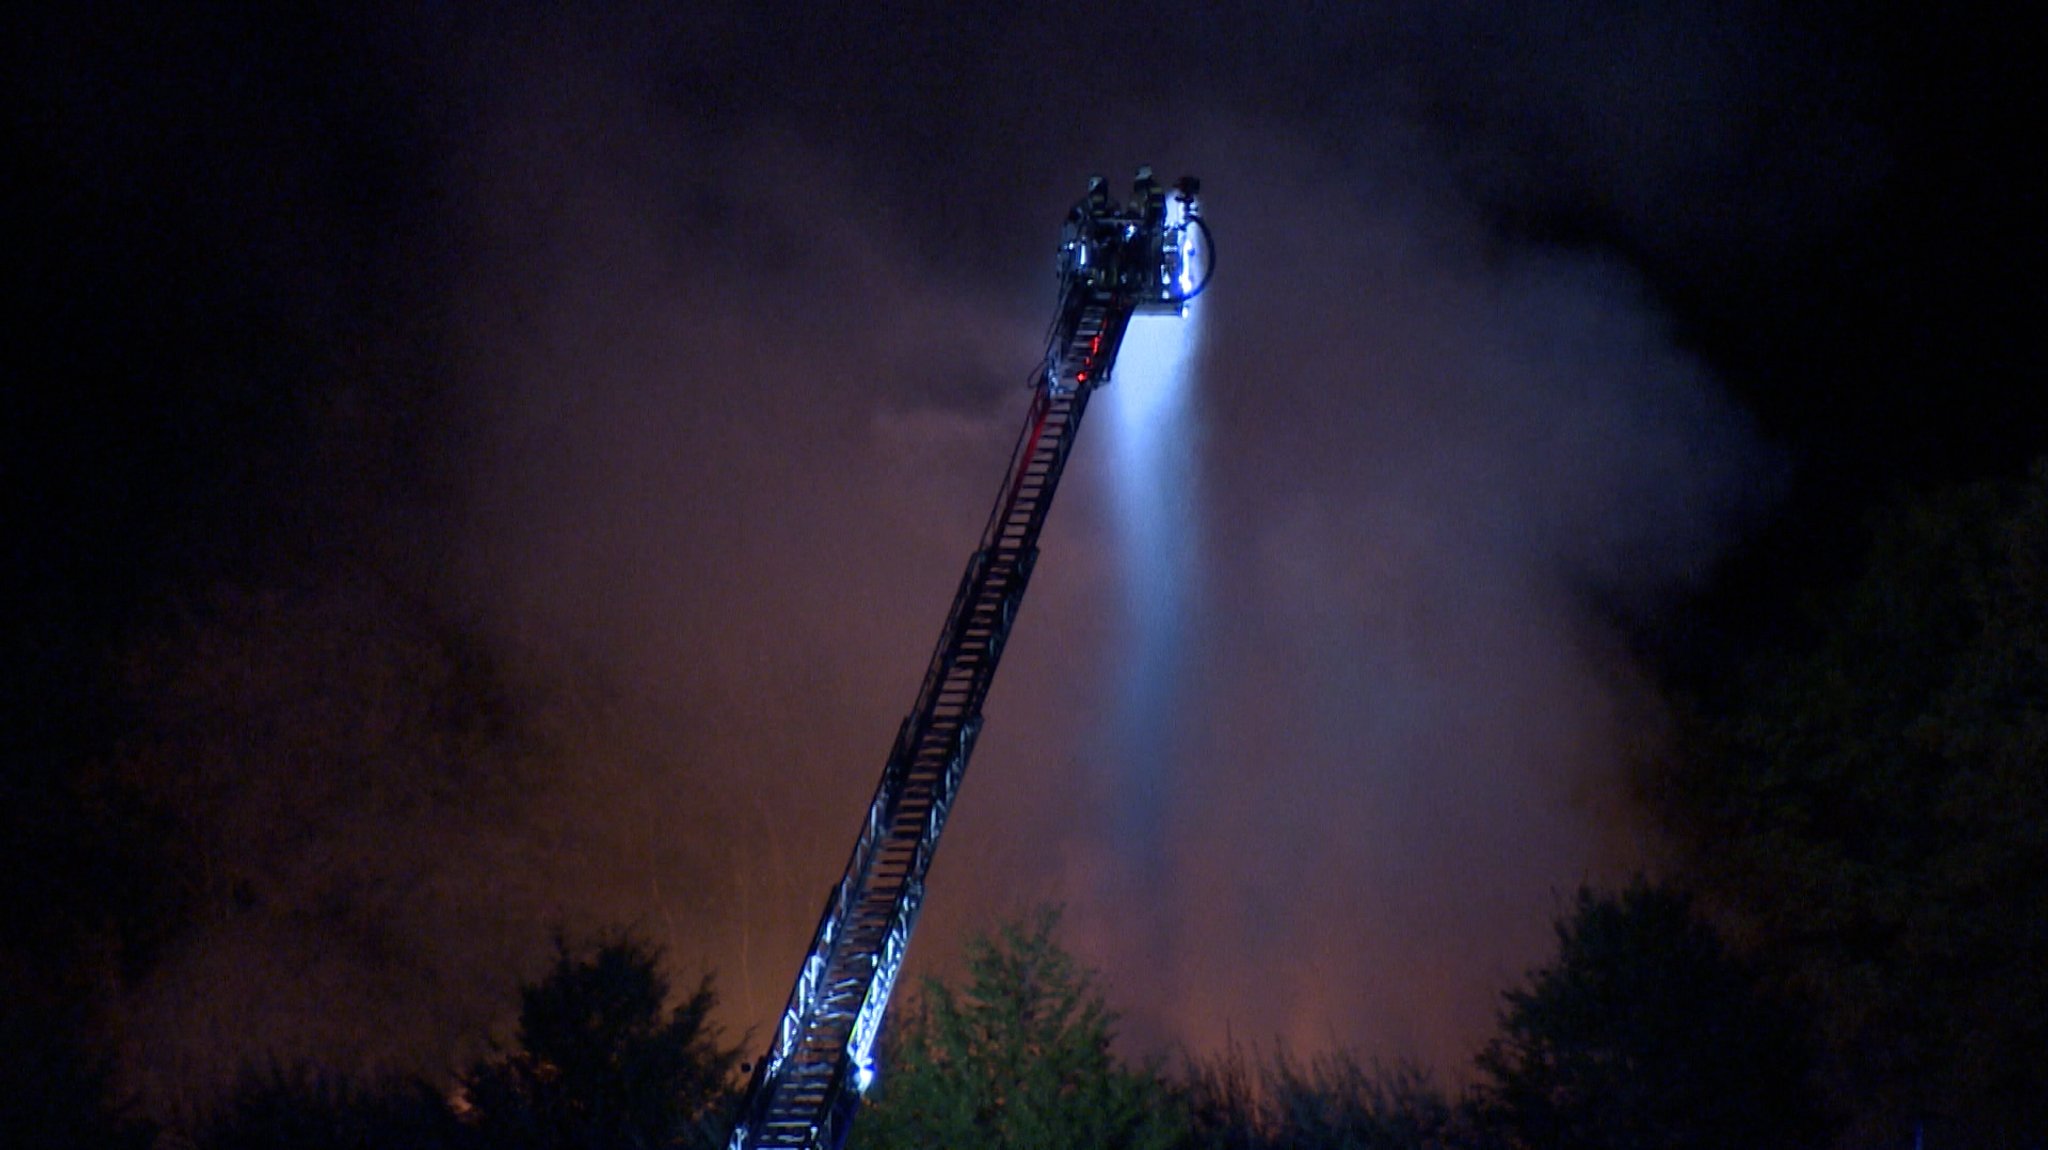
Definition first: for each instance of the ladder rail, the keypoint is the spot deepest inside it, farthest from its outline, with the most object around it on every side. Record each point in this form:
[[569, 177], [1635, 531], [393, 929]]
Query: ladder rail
[[807, 1086], [834, 1011]]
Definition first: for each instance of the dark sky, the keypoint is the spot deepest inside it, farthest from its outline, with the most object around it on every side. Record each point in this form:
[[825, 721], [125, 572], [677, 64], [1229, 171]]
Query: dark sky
[[488, 470]]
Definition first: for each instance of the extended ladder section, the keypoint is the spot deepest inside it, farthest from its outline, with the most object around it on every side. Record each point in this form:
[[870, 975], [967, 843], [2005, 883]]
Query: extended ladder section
[[808, 1085]]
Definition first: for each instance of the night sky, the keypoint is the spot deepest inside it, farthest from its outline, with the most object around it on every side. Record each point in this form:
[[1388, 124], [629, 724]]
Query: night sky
[[473, 472]]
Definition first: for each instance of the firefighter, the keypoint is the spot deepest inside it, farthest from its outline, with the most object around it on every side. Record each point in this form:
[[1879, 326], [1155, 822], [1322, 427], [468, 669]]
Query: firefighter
[[1087, 225], [1148, 200], [1097, 201], [1089, 212]]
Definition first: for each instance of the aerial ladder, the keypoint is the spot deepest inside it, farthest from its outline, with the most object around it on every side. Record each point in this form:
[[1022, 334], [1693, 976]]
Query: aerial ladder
[[1115, 260]]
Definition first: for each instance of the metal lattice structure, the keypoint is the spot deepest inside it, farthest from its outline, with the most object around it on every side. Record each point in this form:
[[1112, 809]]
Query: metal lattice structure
[[1115, 262]]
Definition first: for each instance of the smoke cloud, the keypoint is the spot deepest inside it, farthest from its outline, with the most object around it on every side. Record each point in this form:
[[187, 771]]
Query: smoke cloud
[[745, 415], [742, 328]]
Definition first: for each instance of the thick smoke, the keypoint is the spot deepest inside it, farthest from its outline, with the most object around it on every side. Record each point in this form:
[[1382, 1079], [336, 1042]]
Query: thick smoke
[[746, 416], [743, 326]]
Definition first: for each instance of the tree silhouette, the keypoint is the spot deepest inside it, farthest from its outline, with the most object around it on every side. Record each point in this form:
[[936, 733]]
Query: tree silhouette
[[1017, 1059], [303, 1108], [1331, 1101], [56, 1091], [1643, 1032], [1870, 812], [602, 1062]]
